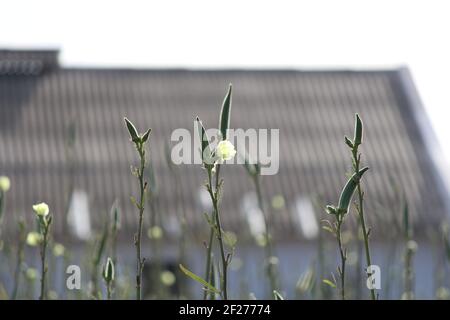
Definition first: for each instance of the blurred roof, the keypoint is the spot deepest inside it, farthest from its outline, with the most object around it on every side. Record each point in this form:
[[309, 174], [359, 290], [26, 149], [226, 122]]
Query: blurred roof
[[43, 110]]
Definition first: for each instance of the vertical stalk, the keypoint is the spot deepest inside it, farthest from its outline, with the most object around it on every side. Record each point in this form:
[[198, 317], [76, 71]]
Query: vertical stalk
[[138, 236], [208, 259], [139, 141], [109, 290], [271, 269], [43, 262], [343, 255], [356, 160], [214, 194], [20, 256]]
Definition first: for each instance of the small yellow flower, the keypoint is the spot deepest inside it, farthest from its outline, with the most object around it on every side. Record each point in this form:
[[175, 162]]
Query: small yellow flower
[[34, 238], [58, 250], [5, 183], [41, 209], [225, 150], [155, 232], [167, 278]]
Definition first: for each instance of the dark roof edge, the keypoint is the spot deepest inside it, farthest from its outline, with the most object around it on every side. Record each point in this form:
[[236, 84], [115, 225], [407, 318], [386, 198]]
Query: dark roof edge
[[230, 70], [440, 167]]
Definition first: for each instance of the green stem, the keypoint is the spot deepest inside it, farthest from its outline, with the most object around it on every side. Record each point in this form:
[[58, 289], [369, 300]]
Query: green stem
[[20, 256], [208, 260], [43, 264], [214, 198], [343, 256], [361, 217], [109, 290], [138, 235]]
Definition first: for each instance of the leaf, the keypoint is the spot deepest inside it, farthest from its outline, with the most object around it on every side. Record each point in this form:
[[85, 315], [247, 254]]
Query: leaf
[[349, 189], [330, 209], [198, 279], [115, 216], [329, 283], [277, 295], [327, 228], [348, 142], [101, 246], [358, 131], [145, 136], [132, 131], [205, 150], [224, 121]]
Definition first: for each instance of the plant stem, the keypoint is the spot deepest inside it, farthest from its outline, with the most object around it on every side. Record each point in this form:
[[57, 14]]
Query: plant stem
[[20, 256], [137, 241], [214, 198], [343, 255], [208, 260], [43, 264], [356, 160], [109, 290], [271, 269]]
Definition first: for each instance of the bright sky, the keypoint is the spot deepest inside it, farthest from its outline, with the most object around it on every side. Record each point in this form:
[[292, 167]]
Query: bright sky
[[247, 33]]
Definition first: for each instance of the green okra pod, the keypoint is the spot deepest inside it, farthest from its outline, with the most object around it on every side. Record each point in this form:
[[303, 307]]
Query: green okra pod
[[349, 189]]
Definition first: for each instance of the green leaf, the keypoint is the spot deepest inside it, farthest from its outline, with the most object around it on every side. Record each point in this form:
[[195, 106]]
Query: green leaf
[[224, 121], [329, 283], [205, 151], [349, 189], [132, 131], [277, 295], [358, 131], [198, 279], [331, 210], [348, 142], [145, 136], [115, 216], [101, 246]]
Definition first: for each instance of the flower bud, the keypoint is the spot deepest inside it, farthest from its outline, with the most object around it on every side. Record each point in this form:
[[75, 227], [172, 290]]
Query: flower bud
[[358, 131], [5, 183], [108, 271], [41, 209]]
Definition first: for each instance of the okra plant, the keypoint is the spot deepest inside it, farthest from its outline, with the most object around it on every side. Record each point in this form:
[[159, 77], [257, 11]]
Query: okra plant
[[343, 207], [41, 211], [212, 160], [139, 141], [356, 161]]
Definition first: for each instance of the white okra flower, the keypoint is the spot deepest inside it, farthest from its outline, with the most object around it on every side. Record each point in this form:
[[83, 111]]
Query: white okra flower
[[5, 183], [225, 151], [41, 209]]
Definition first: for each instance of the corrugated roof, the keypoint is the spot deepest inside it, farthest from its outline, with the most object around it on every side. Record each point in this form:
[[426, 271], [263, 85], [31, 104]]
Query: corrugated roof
[[313, 111]]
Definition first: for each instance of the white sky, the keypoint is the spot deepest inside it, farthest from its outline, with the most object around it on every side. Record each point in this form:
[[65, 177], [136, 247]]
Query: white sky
[[246, 33]]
